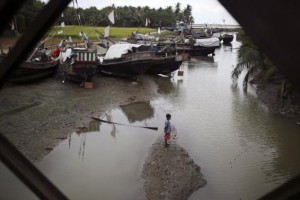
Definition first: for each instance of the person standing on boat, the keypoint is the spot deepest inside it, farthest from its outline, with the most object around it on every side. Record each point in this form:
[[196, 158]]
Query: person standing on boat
[[85, 38], [167, 130]]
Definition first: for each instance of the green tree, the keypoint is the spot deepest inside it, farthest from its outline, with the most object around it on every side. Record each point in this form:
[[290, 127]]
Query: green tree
[[254, 61], [187, 14], [178, 14]]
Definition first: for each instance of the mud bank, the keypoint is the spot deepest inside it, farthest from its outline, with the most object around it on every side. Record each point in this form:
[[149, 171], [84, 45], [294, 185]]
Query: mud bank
[[36, 117], [170, 173], [288, 107]]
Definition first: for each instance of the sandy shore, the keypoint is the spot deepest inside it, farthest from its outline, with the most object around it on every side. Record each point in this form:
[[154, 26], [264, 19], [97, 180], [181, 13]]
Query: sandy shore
[[36, 117]]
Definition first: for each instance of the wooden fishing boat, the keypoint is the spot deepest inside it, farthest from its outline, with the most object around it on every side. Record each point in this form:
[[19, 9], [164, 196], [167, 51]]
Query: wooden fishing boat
[[165, 64], [126, 60], [39, 66], [199, 47], [79, 64], [227, 38], [196, 51]]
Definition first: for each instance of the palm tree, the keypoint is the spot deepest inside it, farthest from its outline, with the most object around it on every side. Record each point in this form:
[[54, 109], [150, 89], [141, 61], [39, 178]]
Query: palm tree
[[249, 58], [252, 59]]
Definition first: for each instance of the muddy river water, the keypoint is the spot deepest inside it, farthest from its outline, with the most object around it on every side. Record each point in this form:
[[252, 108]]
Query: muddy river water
[[243, 151]]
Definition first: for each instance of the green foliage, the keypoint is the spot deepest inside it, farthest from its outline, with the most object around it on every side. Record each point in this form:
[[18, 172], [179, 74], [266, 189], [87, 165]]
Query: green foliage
[[253, 60], [28, 11], [126, 16]]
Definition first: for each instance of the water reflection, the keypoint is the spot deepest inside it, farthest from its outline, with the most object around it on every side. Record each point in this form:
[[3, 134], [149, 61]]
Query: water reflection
[[165, 84], [227, 44], [138, 111], [82, 147], [104, 163], [93, 126], [202, 59]]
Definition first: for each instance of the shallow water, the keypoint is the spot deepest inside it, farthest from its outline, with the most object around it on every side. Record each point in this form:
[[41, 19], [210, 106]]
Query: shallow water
[[242, 150]]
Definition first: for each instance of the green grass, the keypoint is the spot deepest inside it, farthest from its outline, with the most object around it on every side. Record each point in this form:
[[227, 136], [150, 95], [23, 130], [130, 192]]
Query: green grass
[[115, 32], [73, 31]]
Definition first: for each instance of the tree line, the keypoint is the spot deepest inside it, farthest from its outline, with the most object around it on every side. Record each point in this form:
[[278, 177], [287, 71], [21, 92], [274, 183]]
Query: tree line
[[125, 16]]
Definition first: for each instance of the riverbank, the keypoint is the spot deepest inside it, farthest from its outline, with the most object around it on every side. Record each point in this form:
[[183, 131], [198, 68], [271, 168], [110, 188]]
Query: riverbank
[[38, 116], [287, 107]]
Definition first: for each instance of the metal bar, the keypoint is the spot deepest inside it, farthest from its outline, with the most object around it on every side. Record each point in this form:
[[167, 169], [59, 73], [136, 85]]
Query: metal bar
[[10, 155], [27, 172], [274, 26], [31, 37]]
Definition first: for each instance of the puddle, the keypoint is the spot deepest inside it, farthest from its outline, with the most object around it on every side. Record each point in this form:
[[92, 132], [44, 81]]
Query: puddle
[[139, 111], [104, 161]]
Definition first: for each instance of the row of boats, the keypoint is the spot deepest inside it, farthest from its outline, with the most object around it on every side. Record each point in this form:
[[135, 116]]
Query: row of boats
[[80, 63]]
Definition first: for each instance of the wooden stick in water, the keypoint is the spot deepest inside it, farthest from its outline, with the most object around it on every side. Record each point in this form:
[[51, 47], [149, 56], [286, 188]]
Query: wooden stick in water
[[101, 120]]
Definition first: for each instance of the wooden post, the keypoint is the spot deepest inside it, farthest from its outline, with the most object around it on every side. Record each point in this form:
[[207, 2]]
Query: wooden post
[[88, 85]]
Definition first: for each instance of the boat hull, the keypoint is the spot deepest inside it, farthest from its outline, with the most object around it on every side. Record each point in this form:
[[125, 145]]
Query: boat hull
[[79, 72], [165, 65], [33, 71], [227, 39], [126, 68], [197, 51]]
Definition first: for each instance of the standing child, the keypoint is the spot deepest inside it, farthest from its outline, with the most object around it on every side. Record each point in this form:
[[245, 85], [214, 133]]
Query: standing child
[[167, 129]]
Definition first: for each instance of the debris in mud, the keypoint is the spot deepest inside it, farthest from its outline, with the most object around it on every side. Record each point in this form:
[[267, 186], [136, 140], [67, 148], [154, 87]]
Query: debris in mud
[[170, 173]]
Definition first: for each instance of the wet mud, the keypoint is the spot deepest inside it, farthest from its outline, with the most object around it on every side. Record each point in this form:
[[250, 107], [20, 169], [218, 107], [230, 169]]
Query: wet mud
[[36, 117], [170, 173]]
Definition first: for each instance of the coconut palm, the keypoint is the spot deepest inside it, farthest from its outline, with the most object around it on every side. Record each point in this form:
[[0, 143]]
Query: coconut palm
[[253, 60], [249, 58]]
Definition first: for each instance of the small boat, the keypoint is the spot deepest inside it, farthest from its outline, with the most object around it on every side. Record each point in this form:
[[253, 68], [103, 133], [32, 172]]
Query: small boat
[[227, 38], [165, 64], [199, 47], [40, 65], [126, 60], [79, 64]]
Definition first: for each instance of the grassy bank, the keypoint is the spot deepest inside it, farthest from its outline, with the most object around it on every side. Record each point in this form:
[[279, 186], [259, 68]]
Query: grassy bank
[[73, 31], [115, 32]]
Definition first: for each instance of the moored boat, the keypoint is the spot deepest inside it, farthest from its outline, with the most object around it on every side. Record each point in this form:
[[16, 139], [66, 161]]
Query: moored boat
[[126, 60], [40, 65], [199, 47], [227, 38], [79, 64], [165, 64]]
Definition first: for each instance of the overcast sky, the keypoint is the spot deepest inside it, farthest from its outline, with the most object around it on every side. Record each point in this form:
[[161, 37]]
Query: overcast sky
[[204, 11]]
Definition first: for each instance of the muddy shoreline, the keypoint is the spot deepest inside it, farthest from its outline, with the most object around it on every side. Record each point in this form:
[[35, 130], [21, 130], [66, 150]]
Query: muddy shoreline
[[36, 117], [288, 107]]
